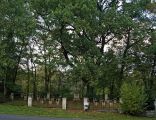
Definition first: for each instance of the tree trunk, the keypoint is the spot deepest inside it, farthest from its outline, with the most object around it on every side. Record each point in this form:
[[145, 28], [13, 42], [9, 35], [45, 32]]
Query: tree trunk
[[28, 77], [34, 83], [121, 74], [46, 82]]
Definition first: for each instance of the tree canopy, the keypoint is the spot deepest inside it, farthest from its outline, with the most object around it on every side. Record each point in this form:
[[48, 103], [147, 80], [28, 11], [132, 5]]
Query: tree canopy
[[57, 46]]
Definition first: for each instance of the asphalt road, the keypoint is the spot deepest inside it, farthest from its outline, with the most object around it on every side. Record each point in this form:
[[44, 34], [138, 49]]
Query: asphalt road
[[14, 117]]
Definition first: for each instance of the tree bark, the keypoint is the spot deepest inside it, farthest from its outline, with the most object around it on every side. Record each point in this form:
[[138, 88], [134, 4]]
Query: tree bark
[[28, 77]]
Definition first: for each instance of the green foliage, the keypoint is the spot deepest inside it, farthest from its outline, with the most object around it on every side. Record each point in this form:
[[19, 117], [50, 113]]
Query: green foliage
[[77, 43], [107, 91], [151, 7], [133, 98], [14, 87]]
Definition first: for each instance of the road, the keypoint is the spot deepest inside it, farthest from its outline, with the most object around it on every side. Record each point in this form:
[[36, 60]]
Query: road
[[14, 117]]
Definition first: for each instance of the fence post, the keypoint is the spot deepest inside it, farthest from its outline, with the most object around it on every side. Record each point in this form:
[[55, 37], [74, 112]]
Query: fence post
[[64, 103]]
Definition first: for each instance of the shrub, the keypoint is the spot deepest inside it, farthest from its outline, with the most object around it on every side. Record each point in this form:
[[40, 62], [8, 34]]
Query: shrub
[[133, 98]]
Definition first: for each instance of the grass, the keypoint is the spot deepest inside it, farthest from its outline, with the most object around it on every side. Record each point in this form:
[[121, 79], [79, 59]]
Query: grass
[[58, 113]]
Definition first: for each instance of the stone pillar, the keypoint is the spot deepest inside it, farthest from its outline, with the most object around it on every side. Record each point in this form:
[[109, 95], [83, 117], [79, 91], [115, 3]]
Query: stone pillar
[[29, 101], [25, 97], [106, 97], [38, 98], [53, 100], [115, 101], [12, 96], [121, 102], [76, 96], [111, 105], [48, 96], [42, 101], [58, 101], [103, 103], [155, 105], [95, 102], [50, 102], [86, 104], [64, 103]]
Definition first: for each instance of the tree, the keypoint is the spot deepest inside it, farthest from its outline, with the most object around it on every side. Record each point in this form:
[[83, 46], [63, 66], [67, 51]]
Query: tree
[[15, 31], [133, 97]]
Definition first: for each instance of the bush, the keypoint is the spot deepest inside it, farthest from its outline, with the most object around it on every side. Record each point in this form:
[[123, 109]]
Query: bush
[[133, 98]]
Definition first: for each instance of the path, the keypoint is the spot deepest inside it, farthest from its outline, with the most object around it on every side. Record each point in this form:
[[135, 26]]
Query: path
[[15, 117]]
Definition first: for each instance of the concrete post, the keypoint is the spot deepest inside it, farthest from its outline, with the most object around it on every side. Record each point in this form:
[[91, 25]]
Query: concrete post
[[106, 97], [121, 102], [155, 105], [12, 96], [29, 101], [86, 104], [48, 96], [64, 103]]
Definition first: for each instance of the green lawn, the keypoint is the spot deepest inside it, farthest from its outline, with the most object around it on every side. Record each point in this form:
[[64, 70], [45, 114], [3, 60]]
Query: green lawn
[[58, 113]]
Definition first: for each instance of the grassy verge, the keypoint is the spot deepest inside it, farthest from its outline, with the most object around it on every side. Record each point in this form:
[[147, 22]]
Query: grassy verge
[[58, 113]]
